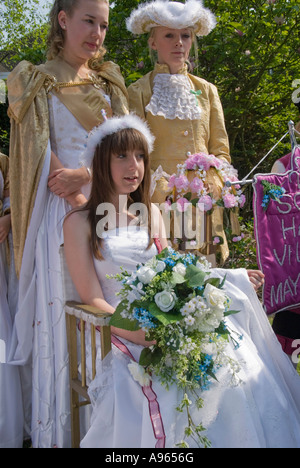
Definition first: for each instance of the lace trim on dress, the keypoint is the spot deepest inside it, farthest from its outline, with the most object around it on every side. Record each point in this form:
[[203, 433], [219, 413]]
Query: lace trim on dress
[[173, 97]]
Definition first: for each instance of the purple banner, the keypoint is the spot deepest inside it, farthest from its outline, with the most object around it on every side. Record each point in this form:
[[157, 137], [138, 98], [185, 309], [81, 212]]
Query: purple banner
[[277, 233]]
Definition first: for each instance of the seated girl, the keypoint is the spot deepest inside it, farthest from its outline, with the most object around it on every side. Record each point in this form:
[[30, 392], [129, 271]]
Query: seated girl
[[105, 235]]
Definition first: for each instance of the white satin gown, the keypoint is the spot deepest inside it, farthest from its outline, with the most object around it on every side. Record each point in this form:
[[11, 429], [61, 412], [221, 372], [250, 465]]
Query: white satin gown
[[262, 411]]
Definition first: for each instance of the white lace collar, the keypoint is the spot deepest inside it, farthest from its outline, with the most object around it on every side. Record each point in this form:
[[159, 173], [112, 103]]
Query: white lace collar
[[173, 97]]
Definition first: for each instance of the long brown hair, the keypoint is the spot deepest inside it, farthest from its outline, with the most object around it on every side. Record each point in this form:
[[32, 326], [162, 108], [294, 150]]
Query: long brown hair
[[55, 40], [102, 189]]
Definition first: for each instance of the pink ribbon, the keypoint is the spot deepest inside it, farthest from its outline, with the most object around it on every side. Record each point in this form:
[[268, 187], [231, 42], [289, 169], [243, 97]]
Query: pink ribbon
[[154, 409]]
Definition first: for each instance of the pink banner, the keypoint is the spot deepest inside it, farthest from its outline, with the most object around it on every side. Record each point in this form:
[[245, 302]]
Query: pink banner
[[277, 233]]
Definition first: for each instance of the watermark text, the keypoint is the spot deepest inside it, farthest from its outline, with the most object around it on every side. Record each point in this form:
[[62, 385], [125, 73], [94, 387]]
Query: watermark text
[[186, 224]]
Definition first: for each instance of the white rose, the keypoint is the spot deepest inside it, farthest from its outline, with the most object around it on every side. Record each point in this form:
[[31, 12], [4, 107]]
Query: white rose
[[165, 300], [139, 374], [214, 296], [160, 266], [145, 274], [180, 269], [209, 348]]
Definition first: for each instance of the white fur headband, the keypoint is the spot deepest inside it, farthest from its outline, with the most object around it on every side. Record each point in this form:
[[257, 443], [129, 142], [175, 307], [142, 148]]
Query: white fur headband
[[114, 125], [174, 15]]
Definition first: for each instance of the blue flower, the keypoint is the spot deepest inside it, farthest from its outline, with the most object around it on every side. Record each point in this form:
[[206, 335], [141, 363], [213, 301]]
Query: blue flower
[[145, 319], [169, 261]]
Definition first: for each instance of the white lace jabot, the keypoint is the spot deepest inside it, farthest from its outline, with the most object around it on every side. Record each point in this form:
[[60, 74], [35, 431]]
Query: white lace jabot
[[173, 97]]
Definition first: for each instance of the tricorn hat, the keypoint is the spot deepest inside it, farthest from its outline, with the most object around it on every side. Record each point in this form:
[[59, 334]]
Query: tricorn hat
[[174, 15]]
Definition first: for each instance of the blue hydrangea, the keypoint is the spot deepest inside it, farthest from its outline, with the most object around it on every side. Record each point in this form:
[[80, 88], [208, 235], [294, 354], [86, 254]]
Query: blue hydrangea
[[169, 261], [145, 319]]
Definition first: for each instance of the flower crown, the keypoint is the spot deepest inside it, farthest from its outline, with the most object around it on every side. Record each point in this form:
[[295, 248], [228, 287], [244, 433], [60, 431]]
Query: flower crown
[[114, 125], [174, 15]]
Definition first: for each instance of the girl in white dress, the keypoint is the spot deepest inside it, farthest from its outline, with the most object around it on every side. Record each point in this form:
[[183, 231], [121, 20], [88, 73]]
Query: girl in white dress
[[11, 408], [262, 411], [53, 108]]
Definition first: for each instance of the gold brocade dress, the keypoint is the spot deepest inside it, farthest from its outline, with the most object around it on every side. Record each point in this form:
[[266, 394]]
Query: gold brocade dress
[[185, 114]]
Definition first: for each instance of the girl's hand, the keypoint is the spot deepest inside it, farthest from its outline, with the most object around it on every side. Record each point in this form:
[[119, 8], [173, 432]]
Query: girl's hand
[[137, 337], [64, 182], [256, 277], [5, 224]]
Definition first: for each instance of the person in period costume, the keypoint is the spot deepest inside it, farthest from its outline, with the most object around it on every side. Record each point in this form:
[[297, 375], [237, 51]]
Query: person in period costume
[[11, 405], [53, 107], [184, 111], [263, 411]]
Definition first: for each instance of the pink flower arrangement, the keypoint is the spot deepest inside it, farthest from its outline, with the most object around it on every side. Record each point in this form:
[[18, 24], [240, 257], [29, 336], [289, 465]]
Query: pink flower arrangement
[[200, 163]]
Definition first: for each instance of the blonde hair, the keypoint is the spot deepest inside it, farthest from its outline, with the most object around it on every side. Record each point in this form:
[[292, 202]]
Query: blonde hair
[[55, 40]]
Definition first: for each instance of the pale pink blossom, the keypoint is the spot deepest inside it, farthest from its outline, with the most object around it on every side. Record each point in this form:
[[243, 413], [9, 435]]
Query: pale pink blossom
[[182, 204], [181, 182], [167, 206], [196, 185], [229, 200], [190, 164], [216, 240], [171, 183], [205, 203], [201, 160], [242, 200]]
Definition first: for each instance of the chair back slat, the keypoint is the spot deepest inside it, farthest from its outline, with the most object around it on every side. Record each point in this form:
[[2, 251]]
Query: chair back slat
[[80, 320]]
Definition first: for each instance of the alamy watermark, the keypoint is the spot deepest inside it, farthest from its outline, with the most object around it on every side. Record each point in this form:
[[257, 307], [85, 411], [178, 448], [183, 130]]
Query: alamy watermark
[[183, 223]]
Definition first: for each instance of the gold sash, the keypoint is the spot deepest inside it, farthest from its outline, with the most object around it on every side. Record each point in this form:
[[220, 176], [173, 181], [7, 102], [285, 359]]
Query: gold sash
[[28, 88], [82, 96]]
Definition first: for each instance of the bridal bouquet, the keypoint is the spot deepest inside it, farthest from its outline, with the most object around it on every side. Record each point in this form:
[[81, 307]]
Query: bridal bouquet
[[184, 186], [181, 307]]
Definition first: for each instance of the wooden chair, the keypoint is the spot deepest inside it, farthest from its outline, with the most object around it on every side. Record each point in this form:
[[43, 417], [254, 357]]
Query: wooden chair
[[78, 315]]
